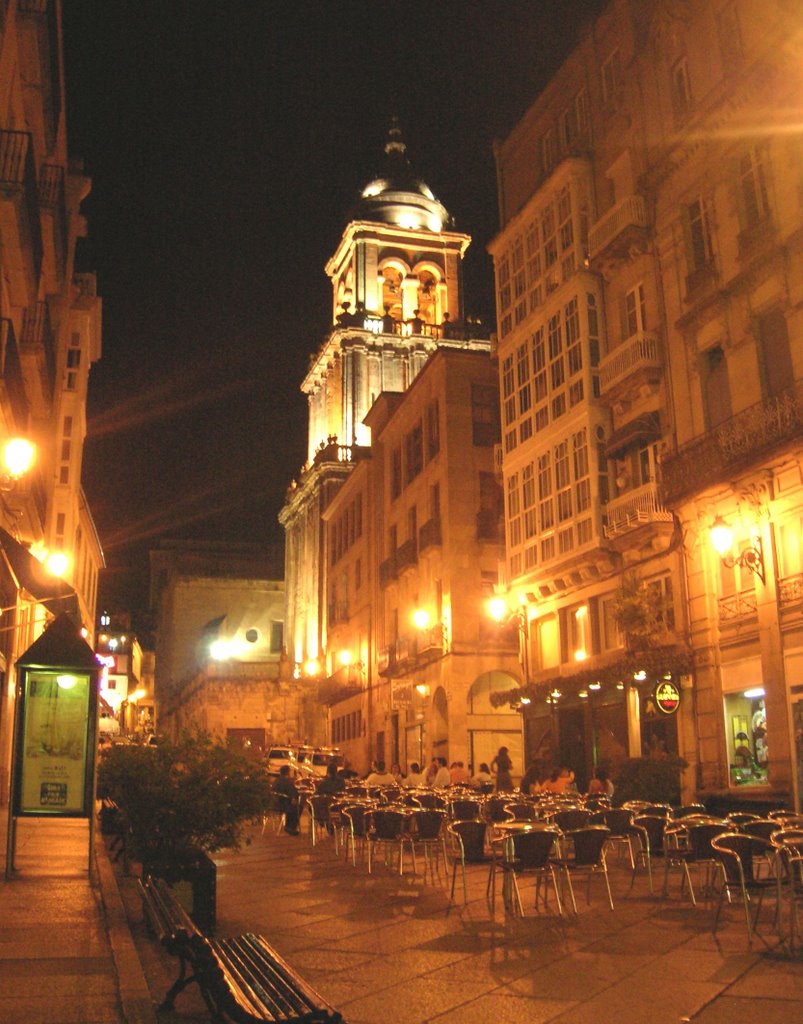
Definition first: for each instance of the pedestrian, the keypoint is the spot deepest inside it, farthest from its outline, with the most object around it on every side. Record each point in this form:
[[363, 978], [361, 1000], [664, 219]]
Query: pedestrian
[[287, 795], [502, 766]]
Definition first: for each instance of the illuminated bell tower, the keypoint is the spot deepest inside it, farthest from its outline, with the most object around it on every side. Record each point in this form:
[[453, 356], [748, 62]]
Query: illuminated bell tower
[[396, 298], [396, 294]]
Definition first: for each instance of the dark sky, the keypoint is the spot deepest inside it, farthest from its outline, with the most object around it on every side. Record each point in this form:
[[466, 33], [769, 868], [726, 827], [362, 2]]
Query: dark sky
[[226, 142]]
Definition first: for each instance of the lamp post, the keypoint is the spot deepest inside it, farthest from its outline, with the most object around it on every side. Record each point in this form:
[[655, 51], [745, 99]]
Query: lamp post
[[751, 557]]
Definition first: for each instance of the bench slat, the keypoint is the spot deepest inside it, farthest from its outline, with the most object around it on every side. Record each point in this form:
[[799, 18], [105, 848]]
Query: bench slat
[[281, 992]]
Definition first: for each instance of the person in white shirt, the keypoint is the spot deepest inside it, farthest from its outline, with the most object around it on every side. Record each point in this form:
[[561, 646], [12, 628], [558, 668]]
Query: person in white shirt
[[443, 776], [415, 777], [380, 777]]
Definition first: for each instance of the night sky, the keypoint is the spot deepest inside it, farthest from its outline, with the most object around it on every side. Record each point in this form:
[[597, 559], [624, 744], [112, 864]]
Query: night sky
[[227, 142]]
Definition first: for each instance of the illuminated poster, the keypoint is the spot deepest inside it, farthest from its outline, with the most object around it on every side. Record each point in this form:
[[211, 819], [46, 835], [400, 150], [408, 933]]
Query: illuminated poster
[[54, 743]]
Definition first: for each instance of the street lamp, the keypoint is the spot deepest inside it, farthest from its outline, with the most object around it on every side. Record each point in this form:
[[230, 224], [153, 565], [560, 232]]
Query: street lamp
[[500, 611], [18, 457], [751, 558]]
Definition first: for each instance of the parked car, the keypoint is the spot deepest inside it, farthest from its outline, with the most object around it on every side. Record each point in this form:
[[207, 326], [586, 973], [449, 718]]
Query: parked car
[[321, 759], [278, 756]]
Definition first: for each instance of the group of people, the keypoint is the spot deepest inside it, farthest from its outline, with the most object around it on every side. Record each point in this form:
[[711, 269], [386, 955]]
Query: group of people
[[439, 775]]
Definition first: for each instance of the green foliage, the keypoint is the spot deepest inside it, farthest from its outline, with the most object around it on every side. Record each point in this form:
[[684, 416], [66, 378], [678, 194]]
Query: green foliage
[[640, 613], [182, 798], [655, 779]]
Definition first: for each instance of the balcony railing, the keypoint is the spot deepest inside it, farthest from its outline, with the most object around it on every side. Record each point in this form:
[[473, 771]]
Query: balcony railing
[[740, 440], [638, 355], [429, 536], [406, 555], [790, 590], [412, 651], [634, 509], [37, 336], [628, 214], [388, 571], [737, 606], [18, 186], [334, 452], [51, 199], [12, 381]]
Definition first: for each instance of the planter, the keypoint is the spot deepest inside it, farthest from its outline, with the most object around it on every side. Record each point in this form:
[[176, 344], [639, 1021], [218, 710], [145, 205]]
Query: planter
[[195, 887]]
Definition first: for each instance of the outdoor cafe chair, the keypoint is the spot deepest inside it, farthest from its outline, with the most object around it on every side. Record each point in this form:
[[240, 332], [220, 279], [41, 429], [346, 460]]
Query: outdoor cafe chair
[[585, 856], [789, 846], [387, 827], [739, 818], [527, 851], [522, 811], [465, 809], [430, 800], [689, 842], [762, 828], [319, 805], [496, 809], [466, 846], [735, 851], [428, 834], [355, 827], [652, 830], [622, 831], [571, 818], [687, 811]]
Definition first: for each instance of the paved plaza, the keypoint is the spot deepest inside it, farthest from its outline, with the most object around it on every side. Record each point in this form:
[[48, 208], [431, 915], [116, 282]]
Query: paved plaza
[[383, 948]]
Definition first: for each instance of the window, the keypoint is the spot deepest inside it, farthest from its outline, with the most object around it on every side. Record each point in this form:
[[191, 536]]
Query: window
[[563, 481], [276, 637], [435, 502], [525, 398], [681, 88], [777, 373], [700, 251], [609, 74], [414, 453], [395, 473], [635, 319], [716, 386], [549, 151], [753, 188], [485, 412], [357, 574], [412, 524], [433, 429], [746, 736]]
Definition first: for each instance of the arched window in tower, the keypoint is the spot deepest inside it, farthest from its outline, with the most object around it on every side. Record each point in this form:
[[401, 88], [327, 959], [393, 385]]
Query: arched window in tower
[[392, 291], [428, 297]]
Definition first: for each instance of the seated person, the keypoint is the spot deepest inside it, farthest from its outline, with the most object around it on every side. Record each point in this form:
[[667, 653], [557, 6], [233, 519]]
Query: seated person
[[415, 777], [531, 780], [600, 785], [459, 774], [380, 776], [561, 780], [287, 795], [331, 784], [347, 772], [483, 777], [441, 779]]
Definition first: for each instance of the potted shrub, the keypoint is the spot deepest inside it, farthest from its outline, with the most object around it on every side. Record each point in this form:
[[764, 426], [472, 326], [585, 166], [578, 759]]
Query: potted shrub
[[654, 779], [180, 803]]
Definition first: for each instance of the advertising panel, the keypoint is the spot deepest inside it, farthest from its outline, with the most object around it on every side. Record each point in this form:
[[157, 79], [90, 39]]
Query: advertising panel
[[54, 756]]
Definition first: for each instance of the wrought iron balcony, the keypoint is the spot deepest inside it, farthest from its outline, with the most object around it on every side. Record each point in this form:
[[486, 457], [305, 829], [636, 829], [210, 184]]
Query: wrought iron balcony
[[429, 536], [406, 556], [737, 606], [52, 202], [388, 571], [745, 438], [637, 359], [618, 230], [19, 214], [633, 509], [12, 384]]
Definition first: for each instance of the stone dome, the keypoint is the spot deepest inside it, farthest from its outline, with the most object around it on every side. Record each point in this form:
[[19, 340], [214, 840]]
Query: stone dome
[[397, 196]]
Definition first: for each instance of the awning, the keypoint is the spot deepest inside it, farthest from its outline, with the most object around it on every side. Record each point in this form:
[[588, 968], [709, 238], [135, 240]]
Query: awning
[[30, 576], [644, 428]]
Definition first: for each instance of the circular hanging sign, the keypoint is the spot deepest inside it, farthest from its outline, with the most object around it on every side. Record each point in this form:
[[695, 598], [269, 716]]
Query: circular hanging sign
[[667, 697]]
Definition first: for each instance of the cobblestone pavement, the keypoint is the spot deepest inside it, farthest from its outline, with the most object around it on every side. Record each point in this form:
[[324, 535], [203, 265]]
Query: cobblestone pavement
[[389, 948]]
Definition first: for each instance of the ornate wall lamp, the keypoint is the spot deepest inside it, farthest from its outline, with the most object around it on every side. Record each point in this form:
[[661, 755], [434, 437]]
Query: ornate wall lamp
[[751, 558]]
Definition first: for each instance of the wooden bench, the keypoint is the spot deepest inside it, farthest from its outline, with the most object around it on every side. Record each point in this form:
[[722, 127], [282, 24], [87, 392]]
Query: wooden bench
[[113, 823], [242, 979]]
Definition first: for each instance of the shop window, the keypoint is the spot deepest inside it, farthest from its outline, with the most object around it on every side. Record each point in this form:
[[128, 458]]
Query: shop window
[[746, 737]]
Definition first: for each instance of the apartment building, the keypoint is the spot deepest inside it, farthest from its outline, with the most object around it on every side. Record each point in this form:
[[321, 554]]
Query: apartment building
[[647, 271], [50, 334]]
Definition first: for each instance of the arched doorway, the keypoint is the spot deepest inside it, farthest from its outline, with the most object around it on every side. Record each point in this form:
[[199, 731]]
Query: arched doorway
[[489, 727]]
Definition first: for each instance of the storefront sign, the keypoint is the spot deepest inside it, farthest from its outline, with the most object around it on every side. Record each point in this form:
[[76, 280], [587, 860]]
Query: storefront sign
[[667, 697], [401, 695], [54, 751]]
